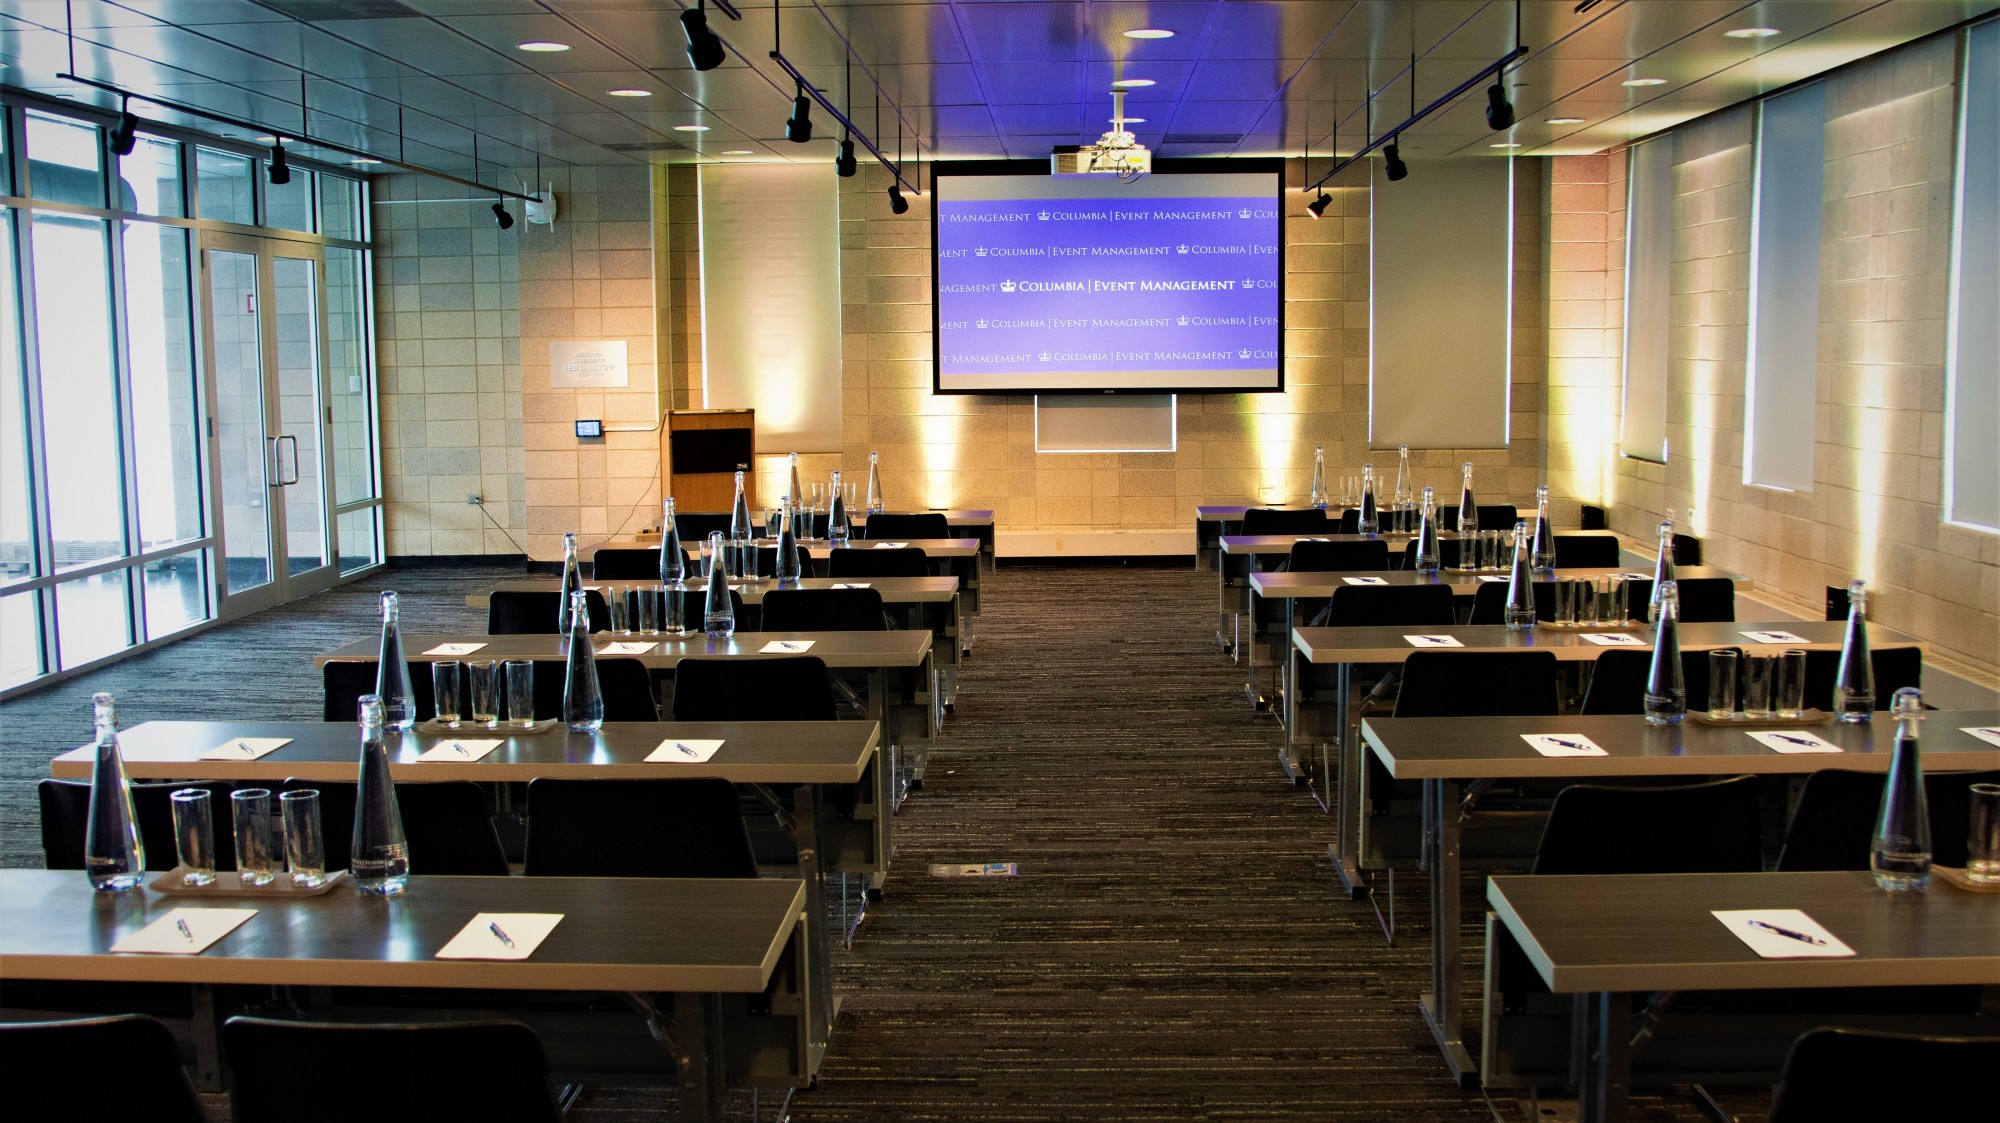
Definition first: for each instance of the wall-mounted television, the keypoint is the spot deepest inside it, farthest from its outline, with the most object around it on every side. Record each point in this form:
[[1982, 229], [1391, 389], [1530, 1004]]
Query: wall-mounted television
[[1172, 282]]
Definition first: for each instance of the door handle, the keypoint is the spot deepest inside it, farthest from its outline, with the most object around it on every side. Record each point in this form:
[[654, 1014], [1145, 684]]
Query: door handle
[[282, 437]]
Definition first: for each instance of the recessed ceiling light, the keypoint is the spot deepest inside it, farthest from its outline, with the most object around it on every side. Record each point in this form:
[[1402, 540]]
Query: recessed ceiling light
[[1132, 83], [736, 152], [267, 140], [630, 93], [1504, 144], [1149, 33], [690, 128], [1644, 82], [363, 161], [1131, 120], [541, 47], [1751, 33], [1563, 121]]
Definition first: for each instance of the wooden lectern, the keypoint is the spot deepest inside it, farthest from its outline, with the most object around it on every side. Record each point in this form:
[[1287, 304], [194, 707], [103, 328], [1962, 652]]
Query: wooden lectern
[[706, 448]]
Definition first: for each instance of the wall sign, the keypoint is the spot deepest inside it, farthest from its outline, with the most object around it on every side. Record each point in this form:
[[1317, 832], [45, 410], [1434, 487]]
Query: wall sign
[[577, 364]]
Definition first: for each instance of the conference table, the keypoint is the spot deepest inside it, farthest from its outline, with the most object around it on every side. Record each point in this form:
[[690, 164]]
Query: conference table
[[1603, 939], [1448, 755], [965, 522], [727, 956]]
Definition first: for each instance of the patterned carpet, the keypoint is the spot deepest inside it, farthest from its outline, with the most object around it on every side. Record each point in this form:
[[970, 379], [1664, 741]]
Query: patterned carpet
[[1173, 948]]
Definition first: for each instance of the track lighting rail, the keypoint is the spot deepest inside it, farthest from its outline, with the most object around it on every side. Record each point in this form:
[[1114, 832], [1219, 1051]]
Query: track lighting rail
[[1390, 135]]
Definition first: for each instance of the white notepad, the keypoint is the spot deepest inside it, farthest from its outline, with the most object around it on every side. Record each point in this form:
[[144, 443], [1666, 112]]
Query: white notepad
[[1793, 741], [468, 749], [246, 748], [1613, 639], [454, 649], [1776, 945], [850, 584], [501, 935], [891, 546], [683, 751], [1433, 641], [786, 646], [1563, 744], [1366, 580], [184, 931], [1308, 538], [623, 648], [1988, 734], [1774, 637], [1492, 577]]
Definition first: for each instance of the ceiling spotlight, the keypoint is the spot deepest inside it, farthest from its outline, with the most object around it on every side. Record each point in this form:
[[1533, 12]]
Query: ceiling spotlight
[[1505, 144], [897, 204], [843, 164], [1644, 82], [1751, 33], [1131, 83], [125, 134], [799, 126], [690, 128], [1317, 208], [737, 152], [1499, 111], [501, 216], [1393, 161], [703, 48], [630, 93], [363, 161], [1563, 121], [1149, 33], [541, 47], [279, 170]]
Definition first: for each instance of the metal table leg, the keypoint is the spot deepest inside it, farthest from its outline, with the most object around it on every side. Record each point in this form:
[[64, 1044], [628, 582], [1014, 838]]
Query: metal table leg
[[698, 1050], [1601, 1052], [1444, 1007], [809, 819]]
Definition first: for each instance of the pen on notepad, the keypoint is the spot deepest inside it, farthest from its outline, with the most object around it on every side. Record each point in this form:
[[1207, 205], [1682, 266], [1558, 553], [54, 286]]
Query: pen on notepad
[[1988, 732], [501, 936], [182, 924], [1565, 744], [242, 747], [1788, 933], [685, 749], [459, 749], [1795, 740]]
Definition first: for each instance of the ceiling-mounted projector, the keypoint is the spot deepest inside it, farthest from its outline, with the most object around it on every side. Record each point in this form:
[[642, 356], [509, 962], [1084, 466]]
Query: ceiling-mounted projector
[[1116, 153]]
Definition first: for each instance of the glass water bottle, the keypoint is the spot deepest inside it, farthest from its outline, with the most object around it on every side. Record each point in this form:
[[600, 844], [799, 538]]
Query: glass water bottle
[[379, 855], [741, 533], [1404, 507], [113, 854], [572, 581], [1854, 682], [873, 501], [583, 700], [1666, 691], [1519, 613], [1663, 567], [1428, 554], [718, 614], [1544, 556], [837, 527], [788, 542], [795, 493], [392, 671], [1468, 509], [1899, 854], [1318, 497], [673, 563], [1370, 519]]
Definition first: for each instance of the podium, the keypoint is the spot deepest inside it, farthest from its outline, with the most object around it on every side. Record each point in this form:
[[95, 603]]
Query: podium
[[707, 447]]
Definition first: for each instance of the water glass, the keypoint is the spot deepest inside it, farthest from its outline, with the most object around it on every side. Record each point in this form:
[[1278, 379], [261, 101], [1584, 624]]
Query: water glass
[[194, 835], [1609, 593], [256, 846], [648, 598], [1722, 683], [1566, 595], [1759, 671], [616, 607], [445, 677], [521, 691], [1982, 842], [305, 845], [485, 683], [1791, 684], [673, 610]]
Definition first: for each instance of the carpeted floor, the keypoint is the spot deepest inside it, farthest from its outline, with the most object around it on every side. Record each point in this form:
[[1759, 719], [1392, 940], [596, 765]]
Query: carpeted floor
[[1173, 948]]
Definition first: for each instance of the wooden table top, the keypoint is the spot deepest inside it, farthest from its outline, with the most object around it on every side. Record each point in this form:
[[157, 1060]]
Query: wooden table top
[[817, 547], [617, 934], [752, 752], [967, 516], [1481, 748], [1264, 544], [1229, 512], [894, 590], [1286, 583], [1387, 645], [1653, 932], [903, 648]]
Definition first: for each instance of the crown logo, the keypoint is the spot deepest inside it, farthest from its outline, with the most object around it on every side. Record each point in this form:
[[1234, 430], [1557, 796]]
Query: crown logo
[[1045, 356], [1182, 248], [1244, 213], [980, 322], [1181, 322], [1006, 286], [1042, 215], [980, 252], [1244, 353], [1248, 281]]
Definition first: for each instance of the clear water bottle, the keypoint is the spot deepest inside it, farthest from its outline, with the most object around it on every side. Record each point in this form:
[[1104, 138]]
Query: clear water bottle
[[1663, 569], [838, 529], [1544, 556], [1854, 682], [113, 854], [572, 581], [583, 701], [673, 562], [718, 614], [1429, 557], [873, 500], [1899, 854], [379, 857], [1370, 519], [1468, 509], [1519, 613], [788, 542], [794, 492], [392, 671], [1318, 497], [1404, 507], [742, 536], [1666, 691]]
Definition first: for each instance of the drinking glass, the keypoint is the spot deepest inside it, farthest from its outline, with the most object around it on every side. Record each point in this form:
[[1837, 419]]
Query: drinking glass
[[444, 684], [649, 609], [521, 691], [305, 846], [816, 497], [673, 610], [773, 518], [1791, 683], [1982, 843], [485, 683], [1758, 673], [1565, 602], [617, 608], [256, 849], [1721, 683], [194, 835], [1603, 596]]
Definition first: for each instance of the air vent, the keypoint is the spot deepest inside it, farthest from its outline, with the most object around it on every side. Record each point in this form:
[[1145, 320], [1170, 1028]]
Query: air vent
[[1203, 138], [314, 11]]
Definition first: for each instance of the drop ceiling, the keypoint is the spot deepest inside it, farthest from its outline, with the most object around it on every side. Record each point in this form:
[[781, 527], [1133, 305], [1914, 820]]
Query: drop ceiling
[[431, 80]]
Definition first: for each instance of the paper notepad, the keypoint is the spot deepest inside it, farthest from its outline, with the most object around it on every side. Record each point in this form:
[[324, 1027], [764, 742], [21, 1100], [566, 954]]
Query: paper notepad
[[1308, 538], [1492, 577], [1366, 580], [1613, 639], [626, 648], [1776, 944], [468, 749], [1433, 641], [184, 931], [683, 752], [1774, 637], [1988, 734], [786, 646], [501, 935], [246, 748], [892, 546], [1563, 744], [455, 649], [850, 584], [1794, 741]]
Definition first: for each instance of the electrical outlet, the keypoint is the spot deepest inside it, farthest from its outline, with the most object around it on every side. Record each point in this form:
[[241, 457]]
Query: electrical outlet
[[475, 500]]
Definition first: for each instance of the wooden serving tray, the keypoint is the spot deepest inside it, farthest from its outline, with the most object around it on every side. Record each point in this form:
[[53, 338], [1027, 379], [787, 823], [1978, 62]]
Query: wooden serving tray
[[1809, 717], [170, 884], [1956, 877], [470, 729]]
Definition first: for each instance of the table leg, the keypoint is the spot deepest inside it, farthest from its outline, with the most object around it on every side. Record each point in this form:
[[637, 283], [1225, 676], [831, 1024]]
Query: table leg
[[809, 819], [207, 1030], [1346, 848], [1254, 657], [1444, 1007], [698, 1051], [1602, 1050]]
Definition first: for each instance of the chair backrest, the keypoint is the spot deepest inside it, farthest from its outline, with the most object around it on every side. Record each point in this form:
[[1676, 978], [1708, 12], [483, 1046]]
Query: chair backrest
[[1688, 828], [625, 683], [1618, 681], [1285, 520], [1834, 818], [1822, 1078], [824, 610], [1349, 522], [346, 680], [1447, 549], [637, 828], [767, 561], [778, 688], [888, 526], [1703, 600], [1895, 668], [533, 613], [449, 825], [65, 806], [695, 526], [1687, 549], [1478, 684], [1586, 551], [59, 1070], [1388, 606], [867, 561], [493, 1071], [1489, 601], [1336, 557], [1499, 516], [632, 564]]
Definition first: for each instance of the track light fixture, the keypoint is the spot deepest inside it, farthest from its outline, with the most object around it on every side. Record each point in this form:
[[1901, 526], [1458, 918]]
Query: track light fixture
[[897, 204], [703, 48], [125, 134], [501, 215], [279, 170], [1317, 208], [843, 164], [1499, 111], [799, 126], [1393, 161]]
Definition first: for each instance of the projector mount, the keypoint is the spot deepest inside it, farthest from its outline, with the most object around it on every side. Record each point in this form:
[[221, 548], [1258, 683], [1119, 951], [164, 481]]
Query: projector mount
[[1117, 152]]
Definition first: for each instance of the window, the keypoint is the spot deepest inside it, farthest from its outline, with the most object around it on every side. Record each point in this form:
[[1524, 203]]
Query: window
[[228, 194], [289, 206], [80, 423], [17, 510], [149, 180], [65, 161], [1972, 348], [165, 403]]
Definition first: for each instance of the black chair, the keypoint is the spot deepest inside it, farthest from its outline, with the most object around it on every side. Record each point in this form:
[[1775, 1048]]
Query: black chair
[[767, 561], [1689, 828], [1834, 818], [1703, 600], [345, 681], [1618, 681], [1895, 668], [1489, 602], [696, 526], [1388, 606], [492, 1071], [779, 688], [612, 564], [1585, 551], [1338, 557], [1499, 516], [1288, 520], [824, 610], [1349, 522], [1447, 551], [66, 822], [97, 1070], [523, 613], [886, 527], [1478, 684], [867, 561], [449, 825], [1831, 1074], [625, 683], [637, 828], [1687, 549]]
